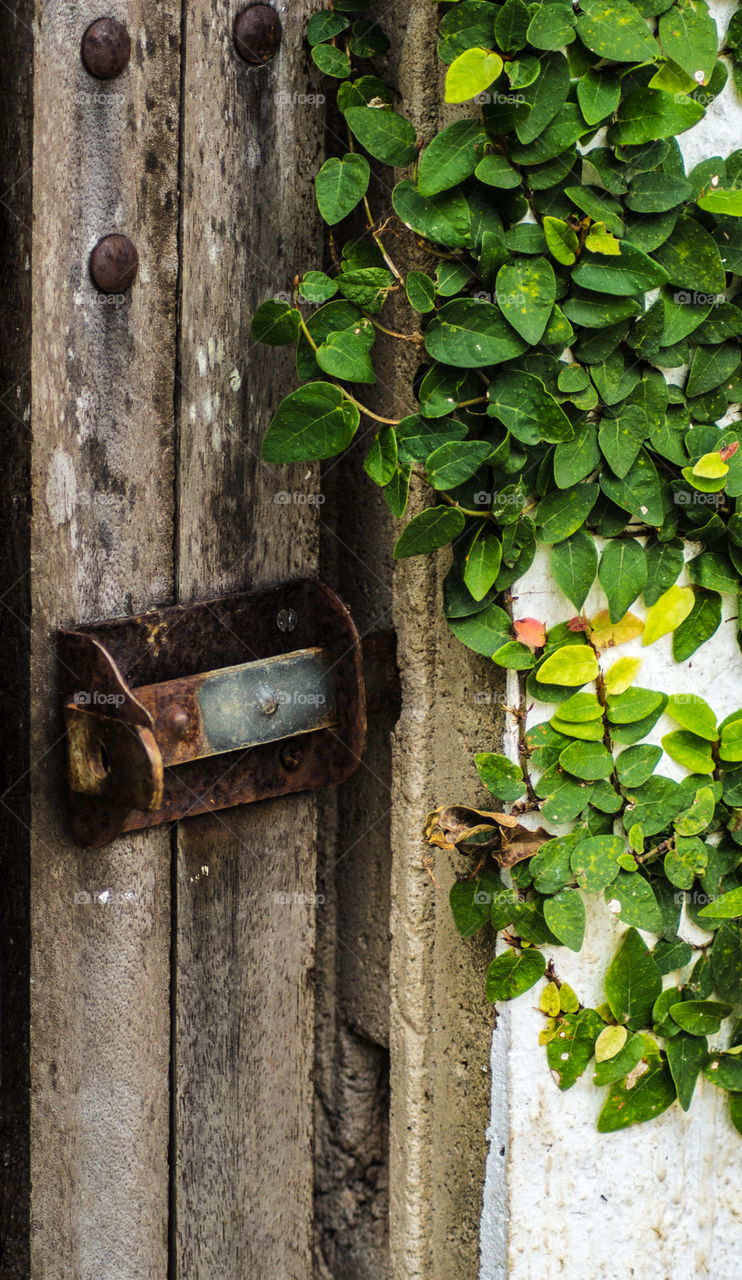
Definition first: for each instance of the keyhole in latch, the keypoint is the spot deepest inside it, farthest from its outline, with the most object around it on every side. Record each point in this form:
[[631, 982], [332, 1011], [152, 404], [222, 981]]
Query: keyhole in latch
[[98, 759]]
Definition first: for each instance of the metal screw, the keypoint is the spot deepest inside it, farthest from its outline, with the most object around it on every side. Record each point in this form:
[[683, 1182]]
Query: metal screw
[[113, 264], [266, 699], [257, 33], [177, 721], [291, 756], [105, 48], [287, 620]]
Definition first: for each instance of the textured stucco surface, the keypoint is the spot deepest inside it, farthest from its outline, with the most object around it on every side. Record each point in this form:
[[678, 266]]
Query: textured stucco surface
[[659, 1201]]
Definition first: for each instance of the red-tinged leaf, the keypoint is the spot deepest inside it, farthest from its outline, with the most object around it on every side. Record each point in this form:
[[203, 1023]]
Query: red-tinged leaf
[[578, 624], [530, 632], [728, 451]]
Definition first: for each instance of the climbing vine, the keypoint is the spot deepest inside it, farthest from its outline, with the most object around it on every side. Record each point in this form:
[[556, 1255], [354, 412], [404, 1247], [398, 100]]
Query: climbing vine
[[579, 387]]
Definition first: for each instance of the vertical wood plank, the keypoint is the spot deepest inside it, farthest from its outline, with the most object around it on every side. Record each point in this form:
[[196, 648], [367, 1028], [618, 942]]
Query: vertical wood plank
[[105, 160], [16, 117], [244, 961]]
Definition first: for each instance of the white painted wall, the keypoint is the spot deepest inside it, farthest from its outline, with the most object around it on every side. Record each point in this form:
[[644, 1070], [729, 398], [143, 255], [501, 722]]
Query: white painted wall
[[659, 1201]]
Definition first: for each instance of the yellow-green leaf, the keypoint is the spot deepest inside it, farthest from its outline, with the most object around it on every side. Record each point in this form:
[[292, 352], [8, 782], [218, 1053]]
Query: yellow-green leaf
[[671, 609], [622, 674], [610, 1042], [710, 467], [471, 73]]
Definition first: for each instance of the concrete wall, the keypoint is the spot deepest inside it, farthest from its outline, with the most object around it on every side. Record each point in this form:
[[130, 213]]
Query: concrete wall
[[658, 1201]]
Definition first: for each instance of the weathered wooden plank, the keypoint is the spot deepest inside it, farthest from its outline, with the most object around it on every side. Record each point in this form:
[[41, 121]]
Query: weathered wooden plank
[[244, 1007], [105, 160], [16, 56]]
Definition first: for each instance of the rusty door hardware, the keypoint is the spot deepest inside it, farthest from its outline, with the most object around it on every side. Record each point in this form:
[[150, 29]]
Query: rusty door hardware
[[105, 48], [194, 708], [113, 264], [257, 33]]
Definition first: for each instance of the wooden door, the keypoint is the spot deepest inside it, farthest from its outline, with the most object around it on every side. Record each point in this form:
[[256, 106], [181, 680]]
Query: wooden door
[[169, 1127]]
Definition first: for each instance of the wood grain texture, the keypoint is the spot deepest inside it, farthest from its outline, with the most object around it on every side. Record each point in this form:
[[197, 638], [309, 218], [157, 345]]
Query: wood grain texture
[[243, 999], [16, 123], [105, 160]]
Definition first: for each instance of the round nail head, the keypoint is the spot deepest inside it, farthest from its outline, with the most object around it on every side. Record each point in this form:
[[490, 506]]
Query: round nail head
[[105, 48], [257, 33], [113, 264]]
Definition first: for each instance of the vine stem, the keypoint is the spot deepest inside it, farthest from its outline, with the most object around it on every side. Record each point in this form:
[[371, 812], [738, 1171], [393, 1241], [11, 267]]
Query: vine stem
[[406, 337]]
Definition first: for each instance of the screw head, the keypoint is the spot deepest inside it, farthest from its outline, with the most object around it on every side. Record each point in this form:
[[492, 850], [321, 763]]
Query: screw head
[[113, 264], [177, 721], [105, 48], [291, 755], [287, 620], [257, 33], [266, 699]]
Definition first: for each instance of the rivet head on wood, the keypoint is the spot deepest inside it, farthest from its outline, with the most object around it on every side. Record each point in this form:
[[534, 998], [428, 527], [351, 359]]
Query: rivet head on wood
[[105, 48], [257, 33], [113, 264]]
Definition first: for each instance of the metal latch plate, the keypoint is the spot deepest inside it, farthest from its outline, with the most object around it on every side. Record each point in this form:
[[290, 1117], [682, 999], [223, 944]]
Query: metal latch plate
[[194, 708]]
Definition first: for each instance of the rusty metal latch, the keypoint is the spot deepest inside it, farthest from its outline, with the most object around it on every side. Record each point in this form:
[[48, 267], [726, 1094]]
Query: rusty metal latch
[[194, 708]]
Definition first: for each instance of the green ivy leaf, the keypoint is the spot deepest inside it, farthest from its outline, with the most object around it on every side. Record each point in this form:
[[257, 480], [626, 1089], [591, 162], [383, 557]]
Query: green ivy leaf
[[526, 291], [530, 412], [636, 901], [595, 862], [622, 574], [726, 961], [685, 1057], [544, 98], [587, 760], [664, 565], [380, 462], [470, 902], [691, 258], [428, 531], [689, 750], [700, 1017], [644, 1100], [511, 974], [631, 272], [420, 291], [386, 136], [564, 913], [635, 765], [633, 982], [444, 219], [576, 458], [725, 1071], [482, 563], [598, 93], [614, 29], [484, 632], [693, 713], [500, 776], [569, 1053], [688, 35], [559, 515], [275, 323], [325, 25], [655, 804], [647, 114], [726, 907], [471, 335], [562, 241], [453, 463], [315, 422], [573, 565], [345, 355], [331, 61], [452, 156]]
